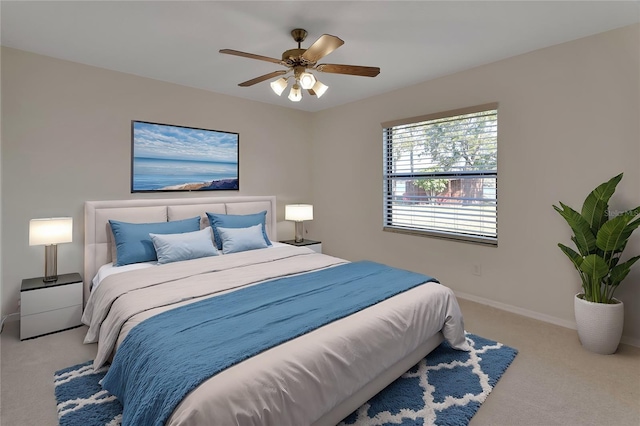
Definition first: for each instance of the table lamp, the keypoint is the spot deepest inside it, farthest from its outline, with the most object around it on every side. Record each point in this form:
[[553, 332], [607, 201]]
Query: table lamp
[[298, 213], [49, 232]]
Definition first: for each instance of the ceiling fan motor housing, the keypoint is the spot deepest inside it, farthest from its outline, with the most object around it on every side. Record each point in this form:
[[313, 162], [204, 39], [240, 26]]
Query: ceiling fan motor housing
[[293, 57], [292, 54]]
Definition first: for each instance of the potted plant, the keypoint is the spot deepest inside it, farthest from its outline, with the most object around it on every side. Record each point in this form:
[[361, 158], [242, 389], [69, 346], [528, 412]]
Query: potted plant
[[600, 236]]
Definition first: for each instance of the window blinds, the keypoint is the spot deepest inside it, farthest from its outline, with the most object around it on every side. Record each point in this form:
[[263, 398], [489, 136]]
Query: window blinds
[[440, 174]]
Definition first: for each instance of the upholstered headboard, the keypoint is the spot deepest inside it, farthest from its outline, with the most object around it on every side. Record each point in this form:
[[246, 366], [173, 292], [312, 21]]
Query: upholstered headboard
[[98, 244]]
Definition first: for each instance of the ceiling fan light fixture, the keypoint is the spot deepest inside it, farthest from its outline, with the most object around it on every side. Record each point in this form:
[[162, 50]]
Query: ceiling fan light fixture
[[295, 95], [279, 85], [307, 80], [319, 88]]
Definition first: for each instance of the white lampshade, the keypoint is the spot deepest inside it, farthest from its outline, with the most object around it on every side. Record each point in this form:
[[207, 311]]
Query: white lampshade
[[307, 80], [296, 94], [298, 212], [279, 85], [54, 230], [319, 88]]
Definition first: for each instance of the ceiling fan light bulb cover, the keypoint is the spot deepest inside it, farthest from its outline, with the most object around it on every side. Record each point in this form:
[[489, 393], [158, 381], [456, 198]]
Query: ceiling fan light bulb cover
[[279, 85], [319, 88], [307, 80], [295, 95]]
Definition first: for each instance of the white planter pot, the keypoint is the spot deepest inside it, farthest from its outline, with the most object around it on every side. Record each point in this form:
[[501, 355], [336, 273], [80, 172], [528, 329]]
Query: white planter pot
[[599, 325]]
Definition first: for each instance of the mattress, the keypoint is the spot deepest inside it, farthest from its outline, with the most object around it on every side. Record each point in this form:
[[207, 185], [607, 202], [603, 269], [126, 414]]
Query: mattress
[[110, 269], [294, 383]]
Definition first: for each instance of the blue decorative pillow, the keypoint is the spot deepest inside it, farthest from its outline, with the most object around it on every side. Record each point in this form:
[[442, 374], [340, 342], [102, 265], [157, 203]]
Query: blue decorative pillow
[[190, 245], [133, 243], [218, 220], [235, 240]]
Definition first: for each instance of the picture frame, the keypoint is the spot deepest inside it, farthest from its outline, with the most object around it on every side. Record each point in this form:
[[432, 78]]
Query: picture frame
[[173, 158]]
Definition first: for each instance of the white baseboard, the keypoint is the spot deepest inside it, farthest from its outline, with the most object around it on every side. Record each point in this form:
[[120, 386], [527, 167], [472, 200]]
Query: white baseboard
[[535, 315], [630, 341]]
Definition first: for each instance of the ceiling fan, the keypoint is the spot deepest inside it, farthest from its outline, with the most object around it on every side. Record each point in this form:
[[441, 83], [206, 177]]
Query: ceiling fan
[[299, 61]]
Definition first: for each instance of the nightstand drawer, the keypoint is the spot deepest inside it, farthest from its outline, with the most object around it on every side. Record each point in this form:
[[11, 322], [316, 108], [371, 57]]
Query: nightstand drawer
[[315, 247], [50, 321], [51, 298]]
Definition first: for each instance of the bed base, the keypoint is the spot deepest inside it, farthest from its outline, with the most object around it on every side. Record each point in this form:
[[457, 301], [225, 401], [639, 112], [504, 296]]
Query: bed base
[[98, 248], [348, 406]]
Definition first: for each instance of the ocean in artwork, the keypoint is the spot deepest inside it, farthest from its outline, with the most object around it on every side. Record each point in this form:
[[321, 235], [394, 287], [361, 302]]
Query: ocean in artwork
[[155, 174]]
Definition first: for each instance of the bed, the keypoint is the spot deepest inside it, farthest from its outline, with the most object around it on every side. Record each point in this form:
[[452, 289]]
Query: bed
[[317, 378]]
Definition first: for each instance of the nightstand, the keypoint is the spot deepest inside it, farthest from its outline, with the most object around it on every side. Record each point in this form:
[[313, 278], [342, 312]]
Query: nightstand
[[50, 307], [313, 245]]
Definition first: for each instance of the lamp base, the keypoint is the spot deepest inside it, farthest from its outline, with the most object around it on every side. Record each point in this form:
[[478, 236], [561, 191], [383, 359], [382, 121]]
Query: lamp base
[[299, 231], [50, 263]]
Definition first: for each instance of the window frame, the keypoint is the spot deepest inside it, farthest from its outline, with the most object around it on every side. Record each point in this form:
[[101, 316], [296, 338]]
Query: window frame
[[388, 194]]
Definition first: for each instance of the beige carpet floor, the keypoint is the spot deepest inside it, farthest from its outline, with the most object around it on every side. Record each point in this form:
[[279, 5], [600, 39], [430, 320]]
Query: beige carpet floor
[[552, 381]]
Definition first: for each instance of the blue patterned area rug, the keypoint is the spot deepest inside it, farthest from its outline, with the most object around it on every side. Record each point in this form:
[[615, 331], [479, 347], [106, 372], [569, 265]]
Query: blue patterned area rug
[[445, 388]]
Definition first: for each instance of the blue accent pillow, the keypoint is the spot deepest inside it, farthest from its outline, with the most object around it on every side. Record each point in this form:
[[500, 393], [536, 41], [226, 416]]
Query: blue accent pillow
[[218, 220], [190, 245], [235, 240], [133, 243]]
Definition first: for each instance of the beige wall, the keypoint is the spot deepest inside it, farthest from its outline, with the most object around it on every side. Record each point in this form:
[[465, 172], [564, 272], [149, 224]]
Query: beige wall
[[66, 138], [568, 120]]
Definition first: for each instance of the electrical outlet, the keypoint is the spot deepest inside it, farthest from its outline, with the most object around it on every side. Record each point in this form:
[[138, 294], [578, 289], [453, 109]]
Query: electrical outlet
[[477, 269]]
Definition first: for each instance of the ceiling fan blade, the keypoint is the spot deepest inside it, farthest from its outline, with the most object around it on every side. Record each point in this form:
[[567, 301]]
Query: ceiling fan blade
[[262, 78], [322, 47], [251, 56], [349, 69]]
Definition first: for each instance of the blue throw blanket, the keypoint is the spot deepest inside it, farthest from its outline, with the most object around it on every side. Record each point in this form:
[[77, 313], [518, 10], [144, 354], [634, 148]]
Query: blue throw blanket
[[165, 357]]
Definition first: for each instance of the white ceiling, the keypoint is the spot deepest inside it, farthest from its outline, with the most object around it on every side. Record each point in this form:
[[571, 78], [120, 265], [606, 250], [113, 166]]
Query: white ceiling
[[414, 41]]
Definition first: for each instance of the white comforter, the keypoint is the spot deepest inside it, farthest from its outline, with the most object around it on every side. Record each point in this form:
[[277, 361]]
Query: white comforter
[[294, 383]]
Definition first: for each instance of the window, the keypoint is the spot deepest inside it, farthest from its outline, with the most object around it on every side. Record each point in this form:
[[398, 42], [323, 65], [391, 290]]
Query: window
[[440, 174]]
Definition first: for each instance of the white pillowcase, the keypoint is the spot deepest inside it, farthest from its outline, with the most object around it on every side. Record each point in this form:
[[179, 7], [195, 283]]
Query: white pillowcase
[[185, 246], [235, 240]]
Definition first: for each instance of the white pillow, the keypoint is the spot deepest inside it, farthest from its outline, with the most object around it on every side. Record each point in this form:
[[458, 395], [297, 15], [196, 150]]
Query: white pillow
[[235, 240], [185, 246]]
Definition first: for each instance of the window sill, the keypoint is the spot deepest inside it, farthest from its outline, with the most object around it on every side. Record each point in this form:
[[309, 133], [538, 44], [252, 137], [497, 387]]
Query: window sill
[[474, 239]]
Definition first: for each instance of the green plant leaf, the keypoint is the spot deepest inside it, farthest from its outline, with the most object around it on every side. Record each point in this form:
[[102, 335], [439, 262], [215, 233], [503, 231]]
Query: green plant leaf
[[613, 261], [635, 223], [585, 239], [611, 236], [628, 230], [575, 258], [573, 238], [595, 206], [621, 271], [594, 266], [633, 212], [614, 234]]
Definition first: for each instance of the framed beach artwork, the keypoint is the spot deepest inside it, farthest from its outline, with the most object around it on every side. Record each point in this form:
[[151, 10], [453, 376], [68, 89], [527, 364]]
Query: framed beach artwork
[[177, 158]]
